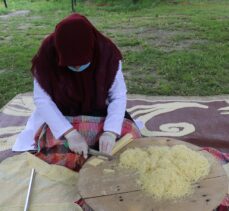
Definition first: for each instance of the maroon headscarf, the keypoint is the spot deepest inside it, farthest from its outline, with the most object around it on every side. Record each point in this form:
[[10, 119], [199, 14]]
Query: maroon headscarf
[[75, 42]]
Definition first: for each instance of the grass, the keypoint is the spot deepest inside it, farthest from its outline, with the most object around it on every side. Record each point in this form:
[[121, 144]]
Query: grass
[[179, 48]]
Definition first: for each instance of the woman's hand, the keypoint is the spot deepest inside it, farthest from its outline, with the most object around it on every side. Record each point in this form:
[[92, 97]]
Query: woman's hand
[[77, 142], [107, 142]]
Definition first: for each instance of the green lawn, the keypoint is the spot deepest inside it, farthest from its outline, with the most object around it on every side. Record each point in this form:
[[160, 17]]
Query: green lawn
[[179, 48]]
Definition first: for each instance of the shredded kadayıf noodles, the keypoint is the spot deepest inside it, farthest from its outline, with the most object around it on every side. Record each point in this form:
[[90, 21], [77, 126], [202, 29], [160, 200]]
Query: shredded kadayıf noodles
[[166, 172]]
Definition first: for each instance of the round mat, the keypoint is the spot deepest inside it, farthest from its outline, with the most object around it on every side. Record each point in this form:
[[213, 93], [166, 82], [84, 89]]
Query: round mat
[[106, 187]]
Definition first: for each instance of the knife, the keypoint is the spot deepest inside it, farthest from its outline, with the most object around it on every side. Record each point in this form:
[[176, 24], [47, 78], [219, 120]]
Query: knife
[[94, 152], [98, 153]]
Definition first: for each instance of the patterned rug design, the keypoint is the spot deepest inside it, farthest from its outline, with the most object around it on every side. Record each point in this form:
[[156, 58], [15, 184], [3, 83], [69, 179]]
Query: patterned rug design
[[203, 121]]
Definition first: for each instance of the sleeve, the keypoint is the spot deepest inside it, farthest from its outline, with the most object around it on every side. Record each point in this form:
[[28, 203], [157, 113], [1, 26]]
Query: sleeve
[[49, 112], [117, 104]]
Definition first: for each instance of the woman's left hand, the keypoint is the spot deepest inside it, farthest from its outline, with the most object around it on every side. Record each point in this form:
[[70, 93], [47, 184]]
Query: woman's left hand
[[107, 142]]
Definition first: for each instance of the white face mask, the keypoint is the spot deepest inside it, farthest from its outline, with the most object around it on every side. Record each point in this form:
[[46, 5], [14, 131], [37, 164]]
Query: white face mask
[[80, 68]]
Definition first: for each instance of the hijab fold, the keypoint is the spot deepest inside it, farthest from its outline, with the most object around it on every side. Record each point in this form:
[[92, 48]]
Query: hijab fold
[[75, 42]]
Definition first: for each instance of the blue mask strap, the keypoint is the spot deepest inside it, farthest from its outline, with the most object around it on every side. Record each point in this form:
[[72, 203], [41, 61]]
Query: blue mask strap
[[80, 69]]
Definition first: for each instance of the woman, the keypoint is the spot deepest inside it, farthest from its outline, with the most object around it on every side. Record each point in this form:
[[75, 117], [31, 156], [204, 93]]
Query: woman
[[79, 93]]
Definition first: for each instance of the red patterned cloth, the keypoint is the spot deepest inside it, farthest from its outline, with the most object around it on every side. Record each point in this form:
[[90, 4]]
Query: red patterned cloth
[[224, 159], [54, 151]]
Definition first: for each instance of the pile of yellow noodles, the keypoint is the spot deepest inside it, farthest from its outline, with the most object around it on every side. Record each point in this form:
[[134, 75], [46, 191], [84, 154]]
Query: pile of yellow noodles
[[166, 172]]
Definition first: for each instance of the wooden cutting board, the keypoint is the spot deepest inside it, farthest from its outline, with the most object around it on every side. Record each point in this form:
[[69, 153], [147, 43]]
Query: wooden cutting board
[[107, 188]]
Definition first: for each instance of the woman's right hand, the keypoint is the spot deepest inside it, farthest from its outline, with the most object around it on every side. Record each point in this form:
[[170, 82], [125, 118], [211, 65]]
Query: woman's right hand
[[77, 142]]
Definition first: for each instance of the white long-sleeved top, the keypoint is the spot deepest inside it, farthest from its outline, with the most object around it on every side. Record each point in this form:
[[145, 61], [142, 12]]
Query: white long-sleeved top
[[47, 112]]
